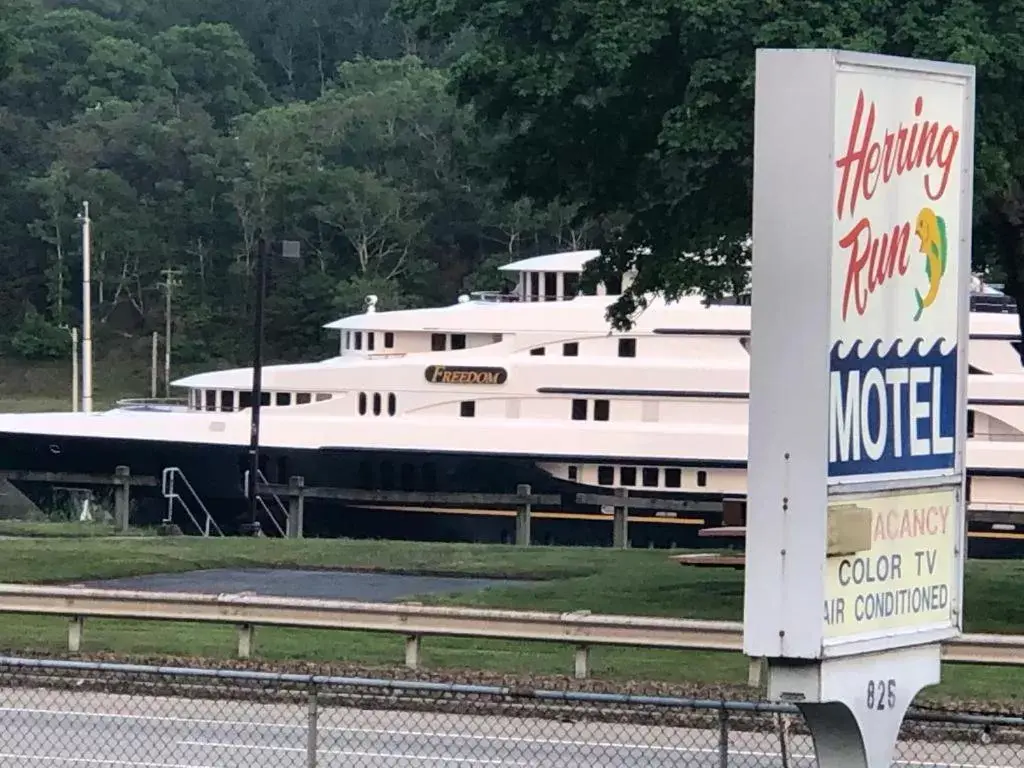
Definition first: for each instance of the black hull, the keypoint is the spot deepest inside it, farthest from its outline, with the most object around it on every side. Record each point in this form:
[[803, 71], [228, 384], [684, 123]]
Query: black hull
[[217, 472]]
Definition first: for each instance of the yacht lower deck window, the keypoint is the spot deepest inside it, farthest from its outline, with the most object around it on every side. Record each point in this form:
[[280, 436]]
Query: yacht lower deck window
[[649, 477], [673, 477], [301, 398], [283, 398], [227, 400], [467, 409], [606, 475], [627, 475]]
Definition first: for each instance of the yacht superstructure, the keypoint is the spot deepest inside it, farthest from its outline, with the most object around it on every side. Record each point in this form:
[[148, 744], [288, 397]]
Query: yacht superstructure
[[525, 386]]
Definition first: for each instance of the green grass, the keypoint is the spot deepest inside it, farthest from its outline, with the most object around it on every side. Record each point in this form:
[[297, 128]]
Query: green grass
[[640, 582], [65, 529]]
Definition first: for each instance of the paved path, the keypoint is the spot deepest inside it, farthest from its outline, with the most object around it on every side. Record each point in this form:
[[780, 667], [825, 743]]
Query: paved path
[[68, 728], [326, 584]]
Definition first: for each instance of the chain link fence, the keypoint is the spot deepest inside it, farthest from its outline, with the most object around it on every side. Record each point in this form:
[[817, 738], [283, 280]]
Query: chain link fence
[[68, 713]]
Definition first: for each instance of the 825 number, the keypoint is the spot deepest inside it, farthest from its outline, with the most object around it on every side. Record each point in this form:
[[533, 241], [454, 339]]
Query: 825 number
[[881, 694]]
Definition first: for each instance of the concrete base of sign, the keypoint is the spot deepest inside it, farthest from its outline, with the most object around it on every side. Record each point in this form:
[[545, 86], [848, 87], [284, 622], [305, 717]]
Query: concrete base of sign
[[854, 705]]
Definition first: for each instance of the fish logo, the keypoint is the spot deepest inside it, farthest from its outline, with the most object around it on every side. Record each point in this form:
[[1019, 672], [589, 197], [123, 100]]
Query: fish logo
[[931, 229]]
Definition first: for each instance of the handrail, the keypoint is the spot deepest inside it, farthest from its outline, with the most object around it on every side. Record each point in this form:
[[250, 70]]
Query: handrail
[[414, 621], [167, 479], [261, 481]]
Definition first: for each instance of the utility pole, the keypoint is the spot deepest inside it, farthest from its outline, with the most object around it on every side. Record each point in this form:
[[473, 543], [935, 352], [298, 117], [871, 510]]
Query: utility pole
[[74, 369], [253, 525], [170, 282], [153, 364], [86, 309]]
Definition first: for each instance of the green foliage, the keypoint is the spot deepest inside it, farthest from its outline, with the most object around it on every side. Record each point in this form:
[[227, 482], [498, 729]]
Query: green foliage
[[195, 129], [642, 112], [38, 339]]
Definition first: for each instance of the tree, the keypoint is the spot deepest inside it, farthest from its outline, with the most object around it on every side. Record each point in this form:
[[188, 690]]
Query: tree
[[642, 112]]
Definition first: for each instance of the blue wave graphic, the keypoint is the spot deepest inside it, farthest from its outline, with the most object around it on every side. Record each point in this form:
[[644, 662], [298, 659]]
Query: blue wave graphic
[[890, 354], [891, 412]]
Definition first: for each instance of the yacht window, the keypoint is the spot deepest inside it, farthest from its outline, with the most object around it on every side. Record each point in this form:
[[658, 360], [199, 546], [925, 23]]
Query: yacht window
[[264, 398], [702, 478], [579, 410], [429, 476], [535, 286], [362, 403], [571, 283], [458, 341], [244, 400], [537, 351], [301, 398], [376, 403], [673, 477], [359, 339], [392, 404], [550, 286], [437, 342], [370, 339], [601, 408], [321, 396], [408, 477], [365, 475], [211, 399], [627, 347], [571, 349], [348, 339], [283, 398], [970, 423], [227, 400], [467, 409], [649, 476], [627, 475], [574, 472], [606, 475], [387, 475], [389, 340], [613, 285]]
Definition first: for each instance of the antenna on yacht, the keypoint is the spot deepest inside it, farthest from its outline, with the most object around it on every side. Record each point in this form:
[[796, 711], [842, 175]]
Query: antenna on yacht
[[371, 303], [86, 308]]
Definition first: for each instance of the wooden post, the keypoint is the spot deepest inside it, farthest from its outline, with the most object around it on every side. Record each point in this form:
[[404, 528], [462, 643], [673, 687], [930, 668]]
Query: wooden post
[[296, 506], [412, 651], [582, 665], [122, 497], [523, 534], [76, 626], [246, 640], [620, 522]]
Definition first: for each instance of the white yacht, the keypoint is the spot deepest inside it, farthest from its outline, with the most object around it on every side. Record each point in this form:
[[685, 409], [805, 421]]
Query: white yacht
[[499, 389]]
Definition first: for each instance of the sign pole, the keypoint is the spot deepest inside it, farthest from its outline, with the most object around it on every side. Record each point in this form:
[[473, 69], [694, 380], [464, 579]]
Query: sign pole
[[863, 184]]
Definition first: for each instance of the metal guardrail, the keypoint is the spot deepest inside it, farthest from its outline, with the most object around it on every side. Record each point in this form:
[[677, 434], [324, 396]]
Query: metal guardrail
[[415, 621]]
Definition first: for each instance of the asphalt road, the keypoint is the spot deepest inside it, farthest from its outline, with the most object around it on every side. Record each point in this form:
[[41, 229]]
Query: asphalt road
[[69, 728], [328, 585]]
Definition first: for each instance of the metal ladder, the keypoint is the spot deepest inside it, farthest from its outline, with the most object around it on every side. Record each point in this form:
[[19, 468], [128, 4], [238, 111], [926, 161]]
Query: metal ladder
[[173, 478], [261, 478]]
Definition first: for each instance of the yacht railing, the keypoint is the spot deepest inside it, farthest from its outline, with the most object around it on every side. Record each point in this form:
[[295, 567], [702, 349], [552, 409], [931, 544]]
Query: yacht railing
[[169, 484], [262, 479], [152, 404]]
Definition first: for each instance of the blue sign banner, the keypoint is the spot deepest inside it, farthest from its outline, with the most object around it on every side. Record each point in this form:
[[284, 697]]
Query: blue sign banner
[[891, 412]]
